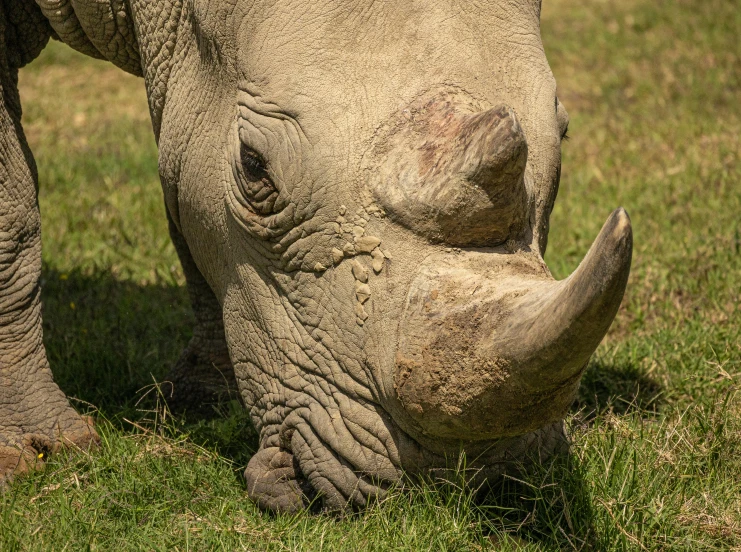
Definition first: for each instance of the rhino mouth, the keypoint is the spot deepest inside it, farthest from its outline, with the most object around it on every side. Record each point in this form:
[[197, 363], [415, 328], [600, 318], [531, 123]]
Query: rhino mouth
[[491, 346]]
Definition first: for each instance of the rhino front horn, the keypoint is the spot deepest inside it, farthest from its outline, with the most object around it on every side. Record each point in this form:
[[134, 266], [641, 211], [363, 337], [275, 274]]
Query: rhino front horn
[[491, 346]]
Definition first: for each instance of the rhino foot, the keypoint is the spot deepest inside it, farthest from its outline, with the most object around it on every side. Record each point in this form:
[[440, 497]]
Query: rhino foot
[[26, 450]]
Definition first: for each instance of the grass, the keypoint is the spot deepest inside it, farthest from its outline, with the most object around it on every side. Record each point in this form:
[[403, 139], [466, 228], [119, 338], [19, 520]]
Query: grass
[[652, 88]]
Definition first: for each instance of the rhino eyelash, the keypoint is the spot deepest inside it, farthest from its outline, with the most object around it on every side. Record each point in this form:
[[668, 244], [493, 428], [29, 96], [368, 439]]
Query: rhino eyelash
[[253, 164], [256, 188]]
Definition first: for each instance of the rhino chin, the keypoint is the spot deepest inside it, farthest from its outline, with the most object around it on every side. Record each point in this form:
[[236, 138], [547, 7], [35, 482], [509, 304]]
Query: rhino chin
[[491, 346]]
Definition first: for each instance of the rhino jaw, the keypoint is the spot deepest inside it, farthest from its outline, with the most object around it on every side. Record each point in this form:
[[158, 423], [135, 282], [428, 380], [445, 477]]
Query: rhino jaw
[[490, 346]]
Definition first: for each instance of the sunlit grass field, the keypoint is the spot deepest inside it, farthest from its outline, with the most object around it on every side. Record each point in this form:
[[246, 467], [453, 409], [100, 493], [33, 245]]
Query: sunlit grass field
[[654, 94]]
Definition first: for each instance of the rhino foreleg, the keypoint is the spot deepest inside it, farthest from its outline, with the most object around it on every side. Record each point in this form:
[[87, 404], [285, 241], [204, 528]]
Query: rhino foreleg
[[203, 376], [35, 416]]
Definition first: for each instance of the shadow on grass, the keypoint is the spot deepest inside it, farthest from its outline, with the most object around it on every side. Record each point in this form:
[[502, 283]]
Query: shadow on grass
[[618, 388], [109, 341], [550, 504]]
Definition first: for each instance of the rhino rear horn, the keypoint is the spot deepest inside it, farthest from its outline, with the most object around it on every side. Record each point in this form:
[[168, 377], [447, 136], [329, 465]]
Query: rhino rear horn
[[494, 151], [456, 176]]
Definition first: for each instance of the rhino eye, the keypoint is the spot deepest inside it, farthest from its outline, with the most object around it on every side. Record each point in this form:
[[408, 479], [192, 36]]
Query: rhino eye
[[253, 181], [252, 164]]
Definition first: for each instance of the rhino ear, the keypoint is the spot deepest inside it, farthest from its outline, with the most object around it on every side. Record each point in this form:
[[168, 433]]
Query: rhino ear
[[103, 30]]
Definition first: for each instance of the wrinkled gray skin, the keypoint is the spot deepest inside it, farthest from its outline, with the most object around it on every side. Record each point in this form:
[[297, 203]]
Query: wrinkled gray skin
[[359, 193]]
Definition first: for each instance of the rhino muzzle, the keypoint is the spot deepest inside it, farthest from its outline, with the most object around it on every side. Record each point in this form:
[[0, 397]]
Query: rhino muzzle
[[491, 346]]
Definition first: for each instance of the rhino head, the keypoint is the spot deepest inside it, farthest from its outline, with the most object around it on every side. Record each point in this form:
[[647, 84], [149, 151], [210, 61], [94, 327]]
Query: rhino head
[[366, 188]]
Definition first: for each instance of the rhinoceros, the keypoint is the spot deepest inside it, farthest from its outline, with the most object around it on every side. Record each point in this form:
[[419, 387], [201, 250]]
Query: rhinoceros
[[359, 193]]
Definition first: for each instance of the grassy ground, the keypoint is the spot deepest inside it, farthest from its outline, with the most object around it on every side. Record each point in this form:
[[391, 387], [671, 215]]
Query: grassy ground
[[652, 88]]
